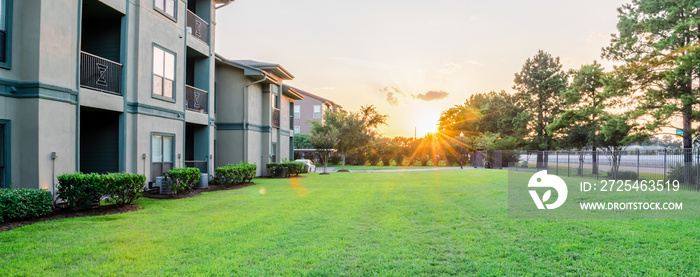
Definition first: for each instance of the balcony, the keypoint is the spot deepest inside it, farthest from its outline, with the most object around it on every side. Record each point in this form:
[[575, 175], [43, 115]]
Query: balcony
[[291, 122], [275, 117], [197, 27], [100, 74], [197, 99]]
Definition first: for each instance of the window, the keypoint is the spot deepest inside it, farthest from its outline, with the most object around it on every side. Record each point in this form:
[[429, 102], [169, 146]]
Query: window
[[161, 154], [5, 22], [167, 7], [275, 103], [317, 111], [274, 152], [297, 129], [297, 111], [163, 73]]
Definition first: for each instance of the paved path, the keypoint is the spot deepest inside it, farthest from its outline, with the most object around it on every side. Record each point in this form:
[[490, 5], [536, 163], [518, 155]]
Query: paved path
[[334, 169]]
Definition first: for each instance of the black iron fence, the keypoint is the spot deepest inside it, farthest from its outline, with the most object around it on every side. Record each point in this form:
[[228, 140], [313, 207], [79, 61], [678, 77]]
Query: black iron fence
[[100, 74], [197, 27], [667, 165], [197, 99]]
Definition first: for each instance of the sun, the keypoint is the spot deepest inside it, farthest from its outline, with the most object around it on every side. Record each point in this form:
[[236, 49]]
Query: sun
[[425, 123]]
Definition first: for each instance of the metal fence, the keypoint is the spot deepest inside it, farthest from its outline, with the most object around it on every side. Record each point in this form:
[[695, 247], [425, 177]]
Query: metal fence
[[670, 165]]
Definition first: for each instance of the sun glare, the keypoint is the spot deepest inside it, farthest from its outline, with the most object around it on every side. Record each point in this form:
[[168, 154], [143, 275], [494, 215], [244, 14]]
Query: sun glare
[[426, 123]]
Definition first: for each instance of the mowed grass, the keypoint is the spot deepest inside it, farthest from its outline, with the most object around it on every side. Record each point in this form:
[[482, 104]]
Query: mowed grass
[[452, 222]]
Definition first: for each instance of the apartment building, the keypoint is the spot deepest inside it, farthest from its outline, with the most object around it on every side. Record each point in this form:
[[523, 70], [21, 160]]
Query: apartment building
[[105, 86], [253, 113], [311, 108]]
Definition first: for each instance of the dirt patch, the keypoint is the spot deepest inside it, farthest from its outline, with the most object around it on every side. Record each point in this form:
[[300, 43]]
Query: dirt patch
[[195, 192], [67, 213]]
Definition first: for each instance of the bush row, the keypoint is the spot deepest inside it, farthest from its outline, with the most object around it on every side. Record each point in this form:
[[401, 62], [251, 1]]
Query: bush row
[[16, 204], [181, 179], [286, 169], [83, 190], [233, 174]]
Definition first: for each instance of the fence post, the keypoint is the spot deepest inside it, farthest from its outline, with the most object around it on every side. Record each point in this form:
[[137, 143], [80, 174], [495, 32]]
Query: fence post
[[637, 164], [597, 159], [557, 153], [568, 163], [665, 165], [697, 170]]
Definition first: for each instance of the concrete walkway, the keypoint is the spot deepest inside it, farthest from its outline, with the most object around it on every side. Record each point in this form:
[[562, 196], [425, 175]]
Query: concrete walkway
[[334, 169]]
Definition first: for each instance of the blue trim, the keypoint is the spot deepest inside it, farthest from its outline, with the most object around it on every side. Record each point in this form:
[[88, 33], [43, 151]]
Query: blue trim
[[240, 126], [140, 108], [18, 89], [6, 124], [77, 86], [7, 64]]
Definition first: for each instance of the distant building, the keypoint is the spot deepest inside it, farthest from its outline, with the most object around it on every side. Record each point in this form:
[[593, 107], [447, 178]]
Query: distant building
[[253, 113], [311, 108]]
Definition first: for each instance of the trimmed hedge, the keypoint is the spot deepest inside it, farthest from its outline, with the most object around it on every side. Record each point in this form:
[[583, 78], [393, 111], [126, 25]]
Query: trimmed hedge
[[233, 174], [16, 204], [181, 179], [123, 188], [286, 169], [82, 191]]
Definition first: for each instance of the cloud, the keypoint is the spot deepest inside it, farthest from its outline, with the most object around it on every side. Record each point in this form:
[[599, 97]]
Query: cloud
[[450, 67], [594, 36], [432, 95], [392, 95]]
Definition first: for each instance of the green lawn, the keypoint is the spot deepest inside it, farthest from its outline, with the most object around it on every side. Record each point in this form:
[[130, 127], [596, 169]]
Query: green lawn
[[375, 167], [451, 222]]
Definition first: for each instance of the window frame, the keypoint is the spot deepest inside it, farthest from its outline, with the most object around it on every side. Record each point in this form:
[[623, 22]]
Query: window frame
[[7, 63], [153, 74], [153, 135], [319, 113], [297, 129], [172, 17], [297, 111]]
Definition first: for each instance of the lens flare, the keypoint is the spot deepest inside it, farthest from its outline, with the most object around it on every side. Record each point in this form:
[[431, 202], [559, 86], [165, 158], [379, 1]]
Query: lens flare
[[262, 191]]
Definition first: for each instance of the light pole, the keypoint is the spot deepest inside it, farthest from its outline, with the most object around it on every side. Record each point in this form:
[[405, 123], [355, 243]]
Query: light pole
[[461, 150]]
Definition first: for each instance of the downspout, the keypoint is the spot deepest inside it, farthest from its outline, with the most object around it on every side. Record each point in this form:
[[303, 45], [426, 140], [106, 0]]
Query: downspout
[[245, 116]]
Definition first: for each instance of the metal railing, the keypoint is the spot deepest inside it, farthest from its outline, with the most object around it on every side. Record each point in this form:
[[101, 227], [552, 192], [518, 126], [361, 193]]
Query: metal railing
[[197, 27], [275, 117], [100, 74], [681, 165], [197, 99]]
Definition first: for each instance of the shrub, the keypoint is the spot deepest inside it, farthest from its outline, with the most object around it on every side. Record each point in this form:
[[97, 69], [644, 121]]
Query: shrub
[[678, 172], [335, 159], [235, 174], [123, 188], [624, 175], [181, 179], [294, 168], [275, 169], [16, 204], [80, 190]]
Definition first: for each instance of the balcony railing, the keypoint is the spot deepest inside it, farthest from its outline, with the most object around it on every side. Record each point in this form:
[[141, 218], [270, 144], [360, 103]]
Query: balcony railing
[[275, 117], [100, 74], [197, 99], [197, 27]]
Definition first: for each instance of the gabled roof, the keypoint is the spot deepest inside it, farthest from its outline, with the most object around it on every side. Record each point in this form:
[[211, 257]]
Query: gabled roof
[[311, 95], [273, 68], [291, 93], [275, 72]]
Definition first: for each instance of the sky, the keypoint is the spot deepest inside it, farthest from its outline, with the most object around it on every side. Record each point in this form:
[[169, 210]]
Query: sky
[[412, 59]]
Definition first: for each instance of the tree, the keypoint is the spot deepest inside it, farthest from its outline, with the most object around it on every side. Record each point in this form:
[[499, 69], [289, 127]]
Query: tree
[[618, 131], [579, 126], [325, 140], [540, 84], [660, 43], [302, 141], [356, 129]]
